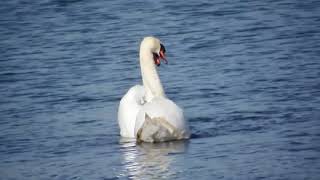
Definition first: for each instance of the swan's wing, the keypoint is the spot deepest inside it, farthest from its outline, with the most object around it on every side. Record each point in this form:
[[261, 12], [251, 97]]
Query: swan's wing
[[129, 107], [162, 112], [158, 130]]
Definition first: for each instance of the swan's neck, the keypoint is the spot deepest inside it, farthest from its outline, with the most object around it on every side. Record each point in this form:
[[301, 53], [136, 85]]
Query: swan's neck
[[150, 76]]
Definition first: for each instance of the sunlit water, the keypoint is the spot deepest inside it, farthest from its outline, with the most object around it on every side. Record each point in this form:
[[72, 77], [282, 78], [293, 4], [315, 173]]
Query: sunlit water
[[246, 73]]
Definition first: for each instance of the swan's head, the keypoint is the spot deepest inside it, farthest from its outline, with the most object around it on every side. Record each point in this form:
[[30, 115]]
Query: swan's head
[[155, 46]]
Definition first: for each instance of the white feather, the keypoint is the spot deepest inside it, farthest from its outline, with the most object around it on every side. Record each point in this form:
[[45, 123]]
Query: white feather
[[129, 107]]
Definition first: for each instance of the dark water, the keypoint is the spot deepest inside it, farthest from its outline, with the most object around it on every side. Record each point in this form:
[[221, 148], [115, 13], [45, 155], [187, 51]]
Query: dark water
[[246, 73]]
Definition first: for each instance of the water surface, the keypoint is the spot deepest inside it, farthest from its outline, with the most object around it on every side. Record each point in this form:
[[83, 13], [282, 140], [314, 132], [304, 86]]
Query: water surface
[[246, 73]]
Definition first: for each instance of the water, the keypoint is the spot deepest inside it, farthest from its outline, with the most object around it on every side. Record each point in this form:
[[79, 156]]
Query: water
[[246, 73]]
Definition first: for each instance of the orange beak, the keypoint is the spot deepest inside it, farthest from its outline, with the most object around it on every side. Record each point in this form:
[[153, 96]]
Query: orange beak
[[161, 56]]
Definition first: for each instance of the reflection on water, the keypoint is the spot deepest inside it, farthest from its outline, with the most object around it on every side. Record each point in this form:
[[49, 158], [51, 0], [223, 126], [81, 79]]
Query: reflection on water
[[150, 161]]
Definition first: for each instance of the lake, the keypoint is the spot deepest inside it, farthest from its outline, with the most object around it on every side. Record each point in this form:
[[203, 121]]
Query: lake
[[247, 75]]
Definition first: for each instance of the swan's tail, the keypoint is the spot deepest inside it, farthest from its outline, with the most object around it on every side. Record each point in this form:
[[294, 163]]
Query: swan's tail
[[158, 130]]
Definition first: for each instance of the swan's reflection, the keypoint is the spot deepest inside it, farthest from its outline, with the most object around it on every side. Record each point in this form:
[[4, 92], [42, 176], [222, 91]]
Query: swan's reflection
[[150, 161]]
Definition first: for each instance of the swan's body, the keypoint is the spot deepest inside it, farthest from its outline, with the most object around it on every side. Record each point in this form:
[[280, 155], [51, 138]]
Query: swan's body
[[145, 112]]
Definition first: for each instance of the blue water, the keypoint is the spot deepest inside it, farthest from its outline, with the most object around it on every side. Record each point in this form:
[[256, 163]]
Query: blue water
[[246, 73]]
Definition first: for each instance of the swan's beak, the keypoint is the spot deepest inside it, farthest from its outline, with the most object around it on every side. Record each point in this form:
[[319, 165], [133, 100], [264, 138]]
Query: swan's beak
[[162, 53], [160, 56]]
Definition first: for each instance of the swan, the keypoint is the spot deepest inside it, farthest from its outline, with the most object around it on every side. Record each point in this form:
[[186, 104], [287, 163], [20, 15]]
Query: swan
[[145, 113]]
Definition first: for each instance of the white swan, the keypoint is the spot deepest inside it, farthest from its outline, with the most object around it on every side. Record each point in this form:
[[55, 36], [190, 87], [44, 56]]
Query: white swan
[[145, 113]]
